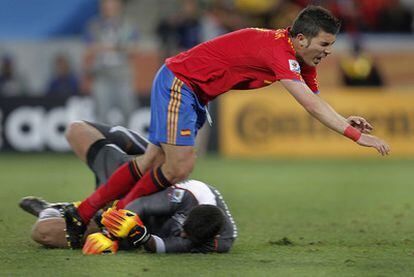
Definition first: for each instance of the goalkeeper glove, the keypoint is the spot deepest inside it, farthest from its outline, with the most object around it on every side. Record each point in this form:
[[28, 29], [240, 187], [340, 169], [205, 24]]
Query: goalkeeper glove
[[98, 243], [127, 225]]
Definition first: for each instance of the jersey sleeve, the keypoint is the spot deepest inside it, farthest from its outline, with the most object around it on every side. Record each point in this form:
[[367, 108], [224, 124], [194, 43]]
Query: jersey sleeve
[[182, 245], [309, 75], [281, 59], [286, 67], [176, 244], [172, 244]]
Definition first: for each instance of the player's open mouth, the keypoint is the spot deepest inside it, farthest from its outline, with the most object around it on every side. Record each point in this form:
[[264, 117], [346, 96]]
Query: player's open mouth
[[317, 59]]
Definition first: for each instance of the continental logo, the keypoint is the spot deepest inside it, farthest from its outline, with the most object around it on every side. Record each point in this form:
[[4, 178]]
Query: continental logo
[[259, 124]]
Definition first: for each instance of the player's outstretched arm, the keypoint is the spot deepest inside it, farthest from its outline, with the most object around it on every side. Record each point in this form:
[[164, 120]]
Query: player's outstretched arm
[[322, 111], [316, 106]]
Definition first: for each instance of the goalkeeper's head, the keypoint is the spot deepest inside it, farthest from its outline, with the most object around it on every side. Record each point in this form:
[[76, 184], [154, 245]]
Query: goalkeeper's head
[[203, 223]]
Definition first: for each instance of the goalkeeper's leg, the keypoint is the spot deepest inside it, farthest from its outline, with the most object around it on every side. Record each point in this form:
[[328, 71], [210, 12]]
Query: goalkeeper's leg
[[131, 142], [94, 143], [34, 205], [81, 135]]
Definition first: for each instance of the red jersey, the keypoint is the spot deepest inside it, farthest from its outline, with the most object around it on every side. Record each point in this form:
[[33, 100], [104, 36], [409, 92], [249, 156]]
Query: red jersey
[[246, 59]]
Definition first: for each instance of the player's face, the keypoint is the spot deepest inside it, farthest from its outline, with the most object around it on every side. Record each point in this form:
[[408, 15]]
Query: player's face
[[317, 48]]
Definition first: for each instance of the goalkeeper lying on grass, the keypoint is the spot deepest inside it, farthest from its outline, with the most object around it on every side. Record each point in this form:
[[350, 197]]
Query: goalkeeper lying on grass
[[187, 217]]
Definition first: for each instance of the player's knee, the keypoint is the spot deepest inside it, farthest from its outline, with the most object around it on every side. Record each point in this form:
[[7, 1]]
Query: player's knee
[[176, 172], [179, 162], [74, 129], [183, 172], [50, 233], [158, 160], [152, 158], [42, 234], [150, 163]]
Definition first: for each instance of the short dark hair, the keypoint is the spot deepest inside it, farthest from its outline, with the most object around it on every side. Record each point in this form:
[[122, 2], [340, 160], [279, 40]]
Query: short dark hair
[[312, 20], [203, 223]]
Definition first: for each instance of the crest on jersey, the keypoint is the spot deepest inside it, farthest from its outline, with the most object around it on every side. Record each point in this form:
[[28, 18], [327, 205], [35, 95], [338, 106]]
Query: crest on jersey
[[177, 195], [294, 66], [185, 132]]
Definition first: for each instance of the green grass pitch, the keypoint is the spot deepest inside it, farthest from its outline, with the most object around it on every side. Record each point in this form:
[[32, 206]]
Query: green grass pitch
[[295, 218]]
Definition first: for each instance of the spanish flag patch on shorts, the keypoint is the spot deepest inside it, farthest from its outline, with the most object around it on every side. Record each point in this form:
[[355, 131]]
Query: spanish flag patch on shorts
[[185, 133]]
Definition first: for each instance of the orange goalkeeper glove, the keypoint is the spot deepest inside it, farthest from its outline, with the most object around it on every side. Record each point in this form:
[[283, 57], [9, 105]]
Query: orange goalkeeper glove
[[125, 224], [98, 243]]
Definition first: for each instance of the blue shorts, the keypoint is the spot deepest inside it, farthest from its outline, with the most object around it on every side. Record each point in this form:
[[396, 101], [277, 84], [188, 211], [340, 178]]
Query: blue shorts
[[176, 113]]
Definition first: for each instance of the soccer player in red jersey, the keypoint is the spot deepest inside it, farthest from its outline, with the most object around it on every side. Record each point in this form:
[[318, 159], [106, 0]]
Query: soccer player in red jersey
[[242, 60]]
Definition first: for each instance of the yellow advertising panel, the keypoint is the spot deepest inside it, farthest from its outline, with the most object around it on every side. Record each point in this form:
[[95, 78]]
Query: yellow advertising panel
[[270, 123]]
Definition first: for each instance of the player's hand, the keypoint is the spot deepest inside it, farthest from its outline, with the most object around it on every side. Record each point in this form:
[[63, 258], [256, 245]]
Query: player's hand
[[360, 123], [98, 243], [372, 141], [125, 224], [138, 236], [120, 222]]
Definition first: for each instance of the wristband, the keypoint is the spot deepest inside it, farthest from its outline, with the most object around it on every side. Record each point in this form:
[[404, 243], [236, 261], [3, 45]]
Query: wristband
[[138, 236], [352, 133]]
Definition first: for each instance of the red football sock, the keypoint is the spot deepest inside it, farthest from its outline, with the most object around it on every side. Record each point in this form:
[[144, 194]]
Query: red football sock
[[120, 182], [152, 181]]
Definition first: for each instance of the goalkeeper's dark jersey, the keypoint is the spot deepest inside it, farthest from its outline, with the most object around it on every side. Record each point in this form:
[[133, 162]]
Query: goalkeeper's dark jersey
[[164, 213]]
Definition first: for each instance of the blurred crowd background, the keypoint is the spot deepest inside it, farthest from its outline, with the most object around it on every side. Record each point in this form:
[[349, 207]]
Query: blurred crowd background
[[108, 51]]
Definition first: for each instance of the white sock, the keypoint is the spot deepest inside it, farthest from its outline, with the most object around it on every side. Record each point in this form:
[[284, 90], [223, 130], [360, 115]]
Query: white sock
[[49, 213]]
